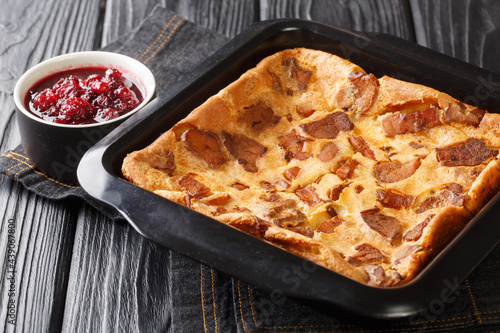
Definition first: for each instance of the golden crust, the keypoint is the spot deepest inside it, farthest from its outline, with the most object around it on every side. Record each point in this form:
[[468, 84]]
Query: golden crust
[[368, 177]]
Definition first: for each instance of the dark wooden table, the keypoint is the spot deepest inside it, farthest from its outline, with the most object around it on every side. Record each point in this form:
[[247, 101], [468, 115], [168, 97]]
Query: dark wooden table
[[70, 258]]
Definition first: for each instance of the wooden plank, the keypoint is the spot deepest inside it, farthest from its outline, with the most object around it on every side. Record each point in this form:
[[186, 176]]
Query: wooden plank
[[465, 29], [42, 237], [383, 16]]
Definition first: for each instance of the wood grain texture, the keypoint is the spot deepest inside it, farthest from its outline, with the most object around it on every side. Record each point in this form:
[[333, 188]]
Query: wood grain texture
[[43, 229], [386, 16], [465, 29], [118, 279], [40, 234]]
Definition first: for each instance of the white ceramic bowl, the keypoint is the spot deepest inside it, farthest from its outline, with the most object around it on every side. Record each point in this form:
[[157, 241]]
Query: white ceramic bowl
[[56, 149]]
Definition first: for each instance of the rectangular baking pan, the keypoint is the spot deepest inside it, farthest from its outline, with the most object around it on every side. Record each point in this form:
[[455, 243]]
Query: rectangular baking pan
[[250, 259]]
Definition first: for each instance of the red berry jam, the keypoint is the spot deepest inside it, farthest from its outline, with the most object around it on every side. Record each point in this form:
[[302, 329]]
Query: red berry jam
[[83, 96]]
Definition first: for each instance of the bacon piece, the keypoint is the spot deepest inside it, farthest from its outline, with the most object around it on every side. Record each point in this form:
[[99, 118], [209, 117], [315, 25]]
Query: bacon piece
[[305, 231], [331, 211], [204, 145], [376, 275], [251, 225], [411, 122], [276, 82], [416, 145], [329, 226], [450, 194], [245, 150], [296, 75], [282, 212], [281, 185], [415, 233], [366, 254], [328, 152], [193, 187], [289, 217], [328, 127], [294, 145], [267, 186], [360, 145], [367, 87], [258, 116], [292, 173], [305, 112], [346, 169], [336, 191], [239, 186], [404, 253], [218, 200], [469, 153], [395, 171], [164, 161], [387, 226], [308, 195], [393, 199], [458, 112]]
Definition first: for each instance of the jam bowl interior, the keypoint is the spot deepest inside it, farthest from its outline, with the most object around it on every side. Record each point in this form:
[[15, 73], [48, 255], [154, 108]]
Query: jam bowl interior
[[56, 148]]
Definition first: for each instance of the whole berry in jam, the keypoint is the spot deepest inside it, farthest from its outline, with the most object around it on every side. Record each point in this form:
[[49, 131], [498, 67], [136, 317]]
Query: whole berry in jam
[[83, 96]]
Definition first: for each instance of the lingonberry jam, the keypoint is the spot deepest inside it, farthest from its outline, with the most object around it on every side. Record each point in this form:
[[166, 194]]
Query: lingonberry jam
[[83, 96]]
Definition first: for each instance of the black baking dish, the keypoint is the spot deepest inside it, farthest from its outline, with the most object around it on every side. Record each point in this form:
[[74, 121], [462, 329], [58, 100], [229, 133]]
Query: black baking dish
[[249, 258]]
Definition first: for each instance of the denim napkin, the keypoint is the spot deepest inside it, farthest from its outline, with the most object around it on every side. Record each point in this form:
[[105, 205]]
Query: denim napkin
[[206, 300]]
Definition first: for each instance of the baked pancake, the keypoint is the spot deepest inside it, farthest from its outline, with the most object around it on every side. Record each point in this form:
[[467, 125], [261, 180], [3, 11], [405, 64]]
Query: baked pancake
[[369, 177]]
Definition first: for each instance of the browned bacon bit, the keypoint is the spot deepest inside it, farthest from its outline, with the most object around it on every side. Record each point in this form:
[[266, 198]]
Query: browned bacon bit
[[331, 211], [360, 145], [304, 231], [329, 226], [468, 153], [366, 86], [163, 161], [336, 191], [328, 152], [328, 127], [193, 187], [289, 217], [366, 254], [251, 225], [305, 112], [393, 199], [411, 122], [460, 113], [218, 200], [387, 226], [376, 274], [415, 233], [294, 145], [187, 201], [267, 186], [308, 195], [395, 171], [258, 116], [292, 173], [276, 82], [281, 185], [245, 150], [239, 186], [346, 169], [405, 252], [416, 145], [204, 145], [297, 76], [359, 189], [450, 194]]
